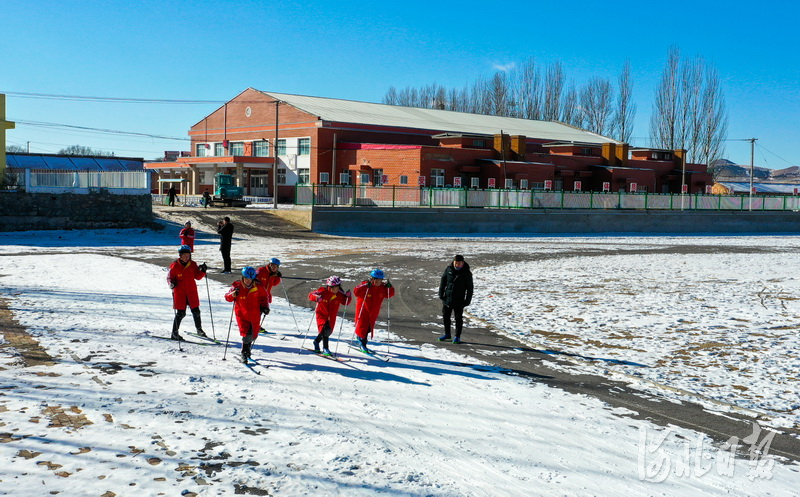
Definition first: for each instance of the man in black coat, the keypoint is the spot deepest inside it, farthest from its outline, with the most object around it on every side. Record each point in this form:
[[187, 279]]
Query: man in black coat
[[455, 292], [225, 230]]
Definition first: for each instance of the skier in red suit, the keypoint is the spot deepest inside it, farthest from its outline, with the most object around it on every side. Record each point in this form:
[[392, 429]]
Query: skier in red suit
[[328, 299], [187, 235], [250, 301], [182, 278], [369, 298]]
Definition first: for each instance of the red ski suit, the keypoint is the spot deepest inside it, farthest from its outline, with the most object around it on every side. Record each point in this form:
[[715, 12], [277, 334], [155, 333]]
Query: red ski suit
[[327, 305], [368, 305], [184, 277], [268, 279], [247, 308], [187, 237]]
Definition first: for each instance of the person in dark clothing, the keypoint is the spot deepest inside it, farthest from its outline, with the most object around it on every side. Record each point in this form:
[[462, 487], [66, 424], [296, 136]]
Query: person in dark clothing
[[206, 201], [455, 292], [172, 193], [225, 230]]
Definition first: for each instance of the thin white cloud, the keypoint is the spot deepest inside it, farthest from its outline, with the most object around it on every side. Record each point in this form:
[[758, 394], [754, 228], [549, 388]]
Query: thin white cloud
[[505, 67]]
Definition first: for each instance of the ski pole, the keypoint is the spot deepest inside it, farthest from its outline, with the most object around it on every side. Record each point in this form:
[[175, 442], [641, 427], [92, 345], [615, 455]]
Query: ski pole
[[290, 309], [388, 318], [208, 292], [339, 336], [229, 330], [313, 315]]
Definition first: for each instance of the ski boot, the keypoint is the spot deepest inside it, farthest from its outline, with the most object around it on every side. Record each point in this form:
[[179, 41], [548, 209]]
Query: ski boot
[[326, 352], [201, 333], [177, 336], [457, 339], [444, 337]]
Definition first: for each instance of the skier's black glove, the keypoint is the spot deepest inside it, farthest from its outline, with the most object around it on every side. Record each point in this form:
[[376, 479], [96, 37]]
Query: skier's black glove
[[173, 284], [388, 284], [203, 267], [264, 310], [279, 274]]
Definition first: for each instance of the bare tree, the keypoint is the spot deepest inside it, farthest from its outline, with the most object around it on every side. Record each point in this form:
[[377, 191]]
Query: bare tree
[[82, 150], [553, 86], [529, 96], [622, 125], [15, 149], [596, 105], [689, 110], [570, 109], [498, 94], [390, 98], [664, 120], [714, 129]]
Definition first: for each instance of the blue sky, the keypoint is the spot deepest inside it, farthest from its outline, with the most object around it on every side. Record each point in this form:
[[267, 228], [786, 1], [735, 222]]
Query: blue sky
[[212, 50]]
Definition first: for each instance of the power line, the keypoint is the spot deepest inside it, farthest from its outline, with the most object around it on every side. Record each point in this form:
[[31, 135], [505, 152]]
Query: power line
[[97, 130], [83, 98]]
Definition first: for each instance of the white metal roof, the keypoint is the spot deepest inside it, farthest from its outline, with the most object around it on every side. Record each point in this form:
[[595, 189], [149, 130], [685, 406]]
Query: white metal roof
[[744, 187], [349, 111]]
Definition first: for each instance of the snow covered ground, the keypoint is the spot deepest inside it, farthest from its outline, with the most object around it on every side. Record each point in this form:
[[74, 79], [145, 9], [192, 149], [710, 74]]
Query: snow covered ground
[[123, 413]]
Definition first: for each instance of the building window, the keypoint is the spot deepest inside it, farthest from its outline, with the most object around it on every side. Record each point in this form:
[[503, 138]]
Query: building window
[[261, 148], [479, 143], [537, 185], [200, 150], [523, 184], [304, 146], [219, 150], [344, 178], [377, 177], [509, 183], [403, 179], [364, 178], [586, 151], [236, 148], [475, 182], [281, 146], [437, 177], [281, 175], [324, 178], [662, 155], [303, 176], [204, 177]]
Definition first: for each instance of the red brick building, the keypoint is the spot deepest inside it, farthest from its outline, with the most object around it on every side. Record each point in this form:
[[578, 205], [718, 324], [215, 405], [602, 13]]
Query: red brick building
[[341, 142]]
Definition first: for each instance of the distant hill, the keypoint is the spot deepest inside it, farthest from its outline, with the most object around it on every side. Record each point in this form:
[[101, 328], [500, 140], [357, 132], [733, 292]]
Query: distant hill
[[725, 170]]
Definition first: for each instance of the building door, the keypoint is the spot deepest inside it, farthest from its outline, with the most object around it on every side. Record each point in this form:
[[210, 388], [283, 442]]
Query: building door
[[259, 184]]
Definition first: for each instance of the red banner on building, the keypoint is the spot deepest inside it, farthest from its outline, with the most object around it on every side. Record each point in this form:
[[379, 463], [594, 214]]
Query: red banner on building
[[577, 186], [633, 187], [491, 182], [422, 181], [606, 186], [548, 184], [457, 181]]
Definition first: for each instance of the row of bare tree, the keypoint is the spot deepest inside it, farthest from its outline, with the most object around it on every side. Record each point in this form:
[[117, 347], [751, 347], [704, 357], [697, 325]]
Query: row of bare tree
[[688, 112]]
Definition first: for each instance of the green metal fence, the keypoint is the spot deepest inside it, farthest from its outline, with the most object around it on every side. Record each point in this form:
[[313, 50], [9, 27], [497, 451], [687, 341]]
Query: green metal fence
[[400, 196]]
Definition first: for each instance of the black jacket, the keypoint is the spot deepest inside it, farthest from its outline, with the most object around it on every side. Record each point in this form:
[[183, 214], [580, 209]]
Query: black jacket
[[225, 235], [455, 289]]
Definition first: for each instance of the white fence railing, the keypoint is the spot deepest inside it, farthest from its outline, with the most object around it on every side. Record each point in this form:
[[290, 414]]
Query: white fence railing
[[84, 182], [393, 196]]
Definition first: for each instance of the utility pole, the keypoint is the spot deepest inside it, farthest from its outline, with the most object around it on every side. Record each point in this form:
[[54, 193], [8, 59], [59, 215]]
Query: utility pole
[[4, 125], [752, 155], [275, 163]]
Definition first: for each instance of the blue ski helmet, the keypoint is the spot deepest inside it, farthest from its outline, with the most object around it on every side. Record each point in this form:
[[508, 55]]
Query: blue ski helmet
[[275, 261], [185, 249], [249, 272], [377, 274]]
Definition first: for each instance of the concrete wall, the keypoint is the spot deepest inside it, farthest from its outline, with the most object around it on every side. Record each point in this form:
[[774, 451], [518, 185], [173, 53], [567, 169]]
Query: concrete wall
[[40, 211], [375, 220]]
